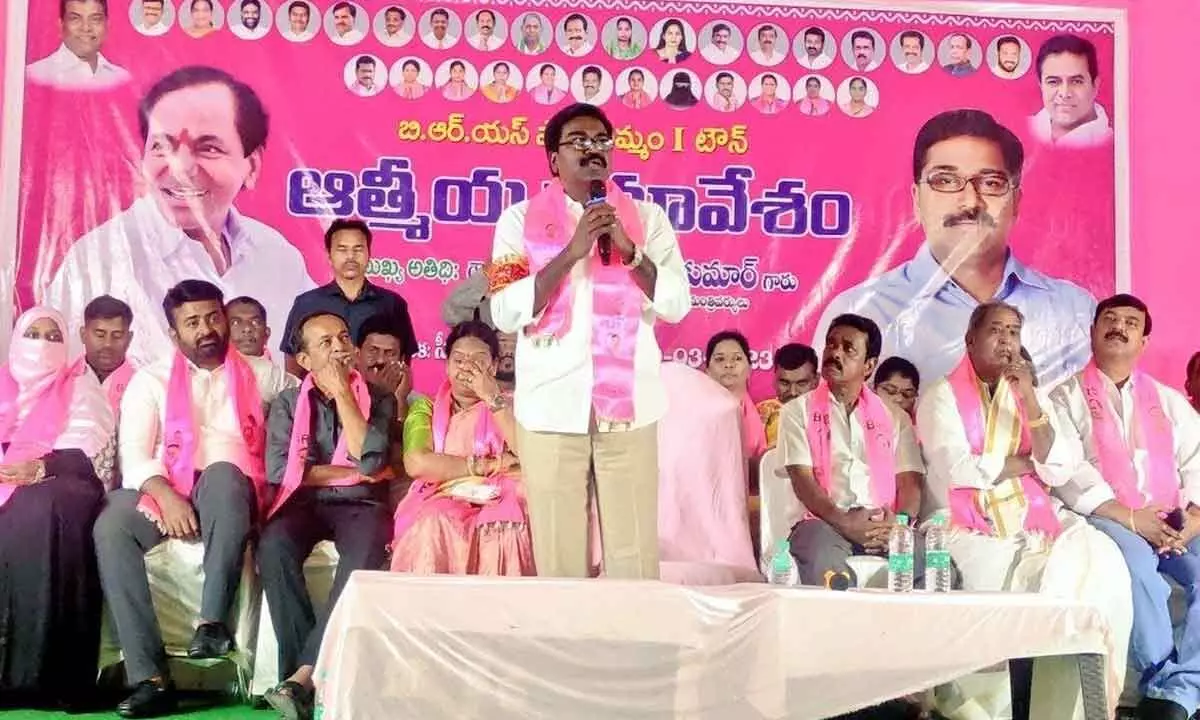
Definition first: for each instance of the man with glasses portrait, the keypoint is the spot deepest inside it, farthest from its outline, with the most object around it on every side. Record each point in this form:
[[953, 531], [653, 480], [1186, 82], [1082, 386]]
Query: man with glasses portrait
[[581, 273], [967, 195]]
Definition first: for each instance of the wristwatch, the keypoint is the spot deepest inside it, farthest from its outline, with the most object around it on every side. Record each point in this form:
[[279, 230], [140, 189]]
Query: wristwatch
[[636, 259]]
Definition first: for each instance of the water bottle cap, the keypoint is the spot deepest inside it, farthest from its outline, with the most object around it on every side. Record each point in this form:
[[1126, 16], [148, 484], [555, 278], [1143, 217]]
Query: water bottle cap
[[902, 519]]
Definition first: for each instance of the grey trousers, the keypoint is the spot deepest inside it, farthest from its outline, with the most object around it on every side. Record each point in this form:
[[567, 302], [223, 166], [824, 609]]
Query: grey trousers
[[224, 500], [819, 548]]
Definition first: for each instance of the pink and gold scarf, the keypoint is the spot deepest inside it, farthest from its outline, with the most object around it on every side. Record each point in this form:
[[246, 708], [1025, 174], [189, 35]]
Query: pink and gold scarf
[[970, 508]]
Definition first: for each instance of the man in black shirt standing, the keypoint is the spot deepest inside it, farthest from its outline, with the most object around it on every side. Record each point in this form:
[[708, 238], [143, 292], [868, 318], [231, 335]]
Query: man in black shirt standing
[[350, 296]]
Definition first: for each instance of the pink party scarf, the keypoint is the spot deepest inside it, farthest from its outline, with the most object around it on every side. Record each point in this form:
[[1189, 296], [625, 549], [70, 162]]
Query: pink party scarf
[[179, 436], [616, 298], [37, 380], [878, 431], [965, 508], [1150, 426], [293, 475], [115, 384]]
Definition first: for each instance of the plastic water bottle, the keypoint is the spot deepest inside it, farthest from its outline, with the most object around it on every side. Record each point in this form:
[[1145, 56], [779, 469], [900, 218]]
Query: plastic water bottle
[[937, 555], [783, 570], [900, 556]]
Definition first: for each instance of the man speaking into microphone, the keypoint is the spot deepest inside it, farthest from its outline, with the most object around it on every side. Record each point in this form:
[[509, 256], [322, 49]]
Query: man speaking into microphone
[[581, 272]]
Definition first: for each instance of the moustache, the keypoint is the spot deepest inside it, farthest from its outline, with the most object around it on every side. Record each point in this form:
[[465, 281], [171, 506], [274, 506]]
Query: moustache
[[1116, 334], [833, 363], [970, 216], [589, 159], [208, 340]]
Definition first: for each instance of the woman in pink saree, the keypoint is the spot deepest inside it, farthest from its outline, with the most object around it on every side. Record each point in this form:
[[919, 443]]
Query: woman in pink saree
[[465, 513]]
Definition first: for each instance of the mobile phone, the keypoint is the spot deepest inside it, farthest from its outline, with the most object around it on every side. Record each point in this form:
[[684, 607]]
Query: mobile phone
[[1175, 519]]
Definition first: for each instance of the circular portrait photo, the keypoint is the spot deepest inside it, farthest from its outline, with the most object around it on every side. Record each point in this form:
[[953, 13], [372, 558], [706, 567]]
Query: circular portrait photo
[[577, 35], [680, 89], [858, 96], [672, 41], [815, 48], [346, 23], [532, 33], [547, 84], [592, 84], [725, 91], [501, 81], [201, 18], [249, 19], [152, 17], [411, 78], [769, 93], [912, 52], [456, 79], [365, 75], [394, 27], [1009, 57], [863, 49], [440, 28], [768, 44], [624, 37], [814, 95], [486, 30], [636, 87], [959, 54], [721, 42], [298, 20]]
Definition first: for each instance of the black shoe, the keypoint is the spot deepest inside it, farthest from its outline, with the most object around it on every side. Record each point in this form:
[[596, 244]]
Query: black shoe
[[1158, 709], [212, 640], [149, 699]]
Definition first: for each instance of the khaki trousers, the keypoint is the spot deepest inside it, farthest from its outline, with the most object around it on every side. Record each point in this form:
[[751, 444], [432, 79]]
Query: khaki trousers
[[556, 468]]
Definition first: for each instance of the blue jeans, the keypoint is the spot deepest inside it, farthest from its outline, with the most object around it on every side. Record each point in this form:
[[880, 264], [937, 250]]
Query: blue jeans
[[1167, 672]]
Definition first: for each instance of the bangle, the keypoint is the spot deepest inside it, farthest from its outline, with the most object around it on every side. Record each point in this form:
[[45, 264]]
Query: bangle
[[1042, 420], [471, 465], [1132, 526]]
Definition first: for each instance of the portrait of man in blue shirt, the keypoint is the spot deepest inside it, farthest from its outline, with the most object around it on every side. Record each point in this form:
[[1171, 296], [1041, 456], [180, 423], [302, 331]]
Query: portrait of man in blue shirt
[[967, 196]]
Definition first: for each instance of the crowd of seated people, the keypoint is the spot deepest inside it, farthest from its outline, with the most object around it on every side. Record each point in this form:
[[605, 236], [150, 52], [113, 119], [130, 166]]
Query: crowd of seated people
[[217, 443]]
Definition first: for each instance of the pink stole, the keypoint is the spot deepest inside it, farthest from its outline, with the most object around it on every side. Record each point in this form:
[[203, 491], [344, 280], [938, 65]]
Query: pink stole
[[965, 503], [754, 433], [293, 476], [33, 437], [114, 385], [616, 298], [1150, 426], [878, 432], [179, 434]]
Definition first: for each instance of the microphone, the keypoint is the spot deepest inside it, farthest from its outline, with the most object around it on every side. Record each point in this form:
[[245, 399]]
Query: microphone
[[598, 193]]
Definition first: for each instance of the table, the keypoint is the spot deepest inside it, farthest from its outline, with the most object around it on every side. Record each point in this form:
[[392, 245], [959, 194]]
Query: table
[[402, 646]]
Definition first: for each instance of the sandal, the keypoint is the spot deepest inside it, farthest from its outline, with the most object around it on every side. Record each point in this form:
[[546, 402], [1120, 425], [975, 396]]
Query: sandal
[[291, 700]]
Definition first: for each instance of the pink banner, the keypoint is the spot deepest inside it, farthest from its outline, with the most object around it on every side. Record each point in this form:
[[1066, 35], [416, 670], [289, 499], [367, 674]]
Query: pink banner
[[780, 141]]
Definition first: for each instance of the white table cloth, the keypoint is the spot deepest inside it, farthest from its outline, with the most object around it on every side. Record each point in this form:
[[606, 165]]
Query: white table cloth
[[533, 648]]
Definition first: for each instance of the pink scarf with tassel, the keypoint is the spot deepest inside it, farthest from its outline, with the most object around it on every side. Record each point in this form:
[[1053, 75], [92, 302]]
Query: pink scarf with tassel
[[1152, 433], [616, 298], [293, 476], [966, 504], [876, 423], [179, 433]]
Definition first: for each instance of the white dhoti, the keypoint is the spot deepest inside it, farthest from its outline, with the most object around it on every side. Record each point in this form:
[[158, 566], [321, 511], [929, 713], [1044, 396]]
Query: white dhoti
[[1082, 565]]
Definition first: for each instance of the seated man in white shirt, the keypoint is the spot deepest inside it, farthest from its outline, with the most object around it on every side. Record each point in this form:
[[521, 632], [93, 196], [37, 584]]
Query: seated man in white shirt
[[584, 286], [993, 446], [77, 64], [106, 335], [205, 134], [1140, 485], [853, 459], [192, 443]]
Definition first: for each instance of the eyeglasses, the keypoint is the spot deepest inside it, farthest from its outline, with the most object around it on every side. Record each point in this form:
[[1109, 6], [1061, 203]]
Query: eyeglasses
[[989, 184], [583, 145]]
